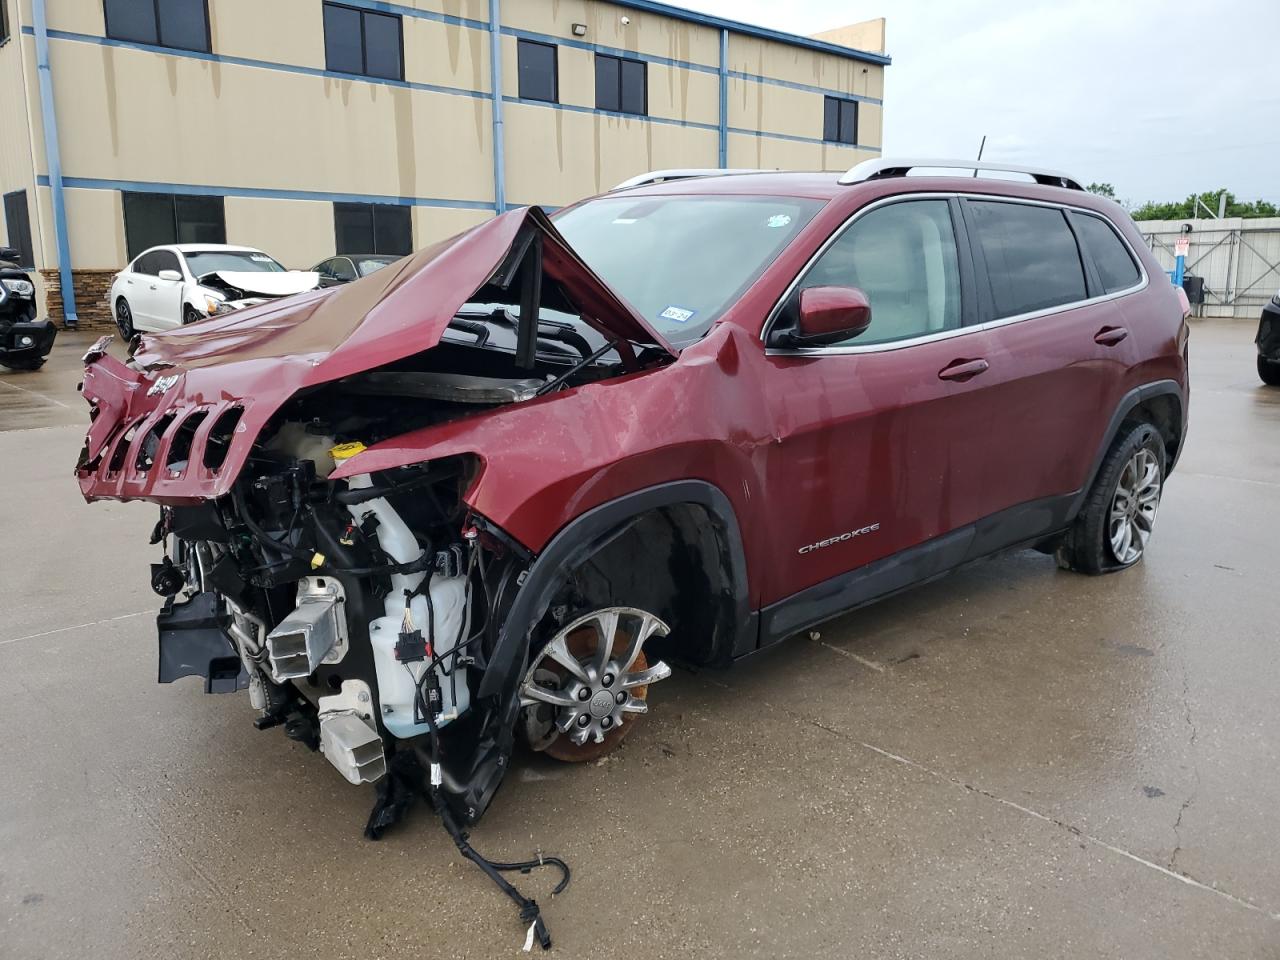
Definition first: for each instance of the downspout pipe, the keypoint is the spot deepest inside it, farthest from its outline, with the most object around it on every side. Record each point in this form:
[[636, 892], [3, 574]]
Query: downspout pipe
[[724, 99], [495, 84], [53, 159]]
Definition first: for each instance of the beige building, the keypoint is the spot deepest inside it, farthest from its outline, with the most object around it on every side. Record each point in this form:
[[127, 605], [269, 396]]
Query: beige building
[[306, 127]]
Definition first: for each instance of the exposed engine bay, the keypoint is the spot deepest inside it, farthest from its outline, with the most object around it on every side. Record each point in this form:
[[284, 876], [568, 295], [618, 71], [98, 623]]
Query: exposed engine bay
[[359, 613], [368, 612], [240, 289]]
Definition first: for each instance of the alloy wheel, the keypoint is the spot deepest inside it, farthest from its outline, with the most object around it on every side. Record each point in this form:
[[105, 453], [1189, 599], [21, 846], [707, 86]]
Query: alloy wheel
[[1133, 507], [589, 682], [124, 320]]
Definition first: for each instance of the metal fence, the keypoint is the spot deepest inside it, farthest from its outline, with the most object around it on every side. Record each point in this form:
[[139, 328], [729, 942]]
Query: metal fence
[[1238, 259]]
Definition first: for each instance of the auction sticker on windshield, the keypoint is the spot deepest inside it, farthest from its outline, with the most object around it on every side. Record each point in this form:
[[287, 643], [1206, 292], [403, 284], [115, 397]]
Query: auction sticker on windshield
[[678, 314]]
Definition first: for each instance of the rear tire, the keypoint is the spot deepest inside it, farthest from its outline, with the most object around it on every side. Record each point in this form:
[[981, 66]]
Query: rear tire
[[1269, 371], [1114, 525]]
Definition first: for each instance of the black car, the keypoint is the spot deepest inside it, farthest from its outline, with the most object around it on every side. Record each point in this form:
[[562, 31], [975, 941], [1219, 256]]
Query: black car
[[346, 267], [24, 340], [1268, 341]]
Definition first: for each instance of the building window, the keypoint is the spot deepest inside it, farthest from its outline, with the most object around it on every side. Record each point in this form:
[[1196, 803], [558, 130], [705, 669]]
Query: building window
[[17, 225], [151, 219], [372, 228], [840, 120], [621, 85], [537, 63], [183, 24], [4, 21], [363, 42]]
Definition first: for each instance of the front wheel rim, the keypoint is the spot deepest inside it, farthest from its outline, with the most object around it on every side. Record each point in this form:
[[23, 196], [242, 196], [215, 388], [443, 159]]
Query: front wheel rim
[[124, 319], [1133, 507], [593, 674]]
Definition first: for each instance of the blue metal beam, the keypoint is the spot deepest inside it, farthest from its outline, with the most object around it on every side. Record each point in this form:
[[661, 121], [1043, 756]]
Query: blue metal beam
[[263, 193], [724, 98], [53, 159], [495, 86]]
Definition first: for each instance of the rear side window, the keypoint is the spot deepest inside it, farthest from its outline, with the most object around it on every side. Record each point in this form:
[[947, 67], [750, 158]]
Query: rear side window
[[1033, 262], [1115, 265]]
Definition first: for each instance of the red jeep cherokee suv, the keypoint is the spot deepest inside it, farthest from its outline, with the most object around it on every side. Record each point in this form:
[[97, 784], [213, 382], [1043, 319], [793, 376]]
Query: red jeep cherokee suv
[[476, 495]]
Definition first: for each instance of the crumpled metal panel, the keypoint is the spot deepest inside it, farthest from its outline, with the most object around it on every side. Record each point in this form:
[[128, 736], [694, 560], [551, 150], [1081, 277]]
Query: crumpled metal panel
[[258, 359]]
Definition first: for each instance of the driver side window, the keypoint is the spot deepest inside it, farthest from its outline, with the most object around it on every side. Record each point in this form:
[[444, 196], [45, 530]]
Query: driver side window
[[165, 260], [903, 257]]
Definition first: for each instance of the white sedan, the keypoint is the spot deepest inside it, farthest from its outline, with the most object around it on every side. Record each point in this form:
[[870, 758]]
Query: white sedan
[[169, 286]]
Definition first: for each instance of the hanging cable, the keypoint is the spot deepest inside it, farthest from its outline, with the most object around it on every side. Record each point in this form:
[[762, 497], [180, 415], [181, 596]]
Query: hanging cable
[[530, 912]]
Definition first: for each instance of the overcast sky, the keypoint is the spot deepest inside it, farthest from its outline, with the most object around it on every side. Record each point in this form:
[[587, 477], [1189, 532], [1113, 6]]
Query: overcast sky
[[1161, 99]]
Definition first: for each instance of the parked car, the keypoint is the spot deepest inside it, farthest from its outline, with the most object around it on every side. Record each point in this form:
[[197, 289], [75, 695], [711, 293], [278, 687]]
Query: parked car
[[25, 342], [344, 268], [487, 495], [1268, 341], [168, 286]]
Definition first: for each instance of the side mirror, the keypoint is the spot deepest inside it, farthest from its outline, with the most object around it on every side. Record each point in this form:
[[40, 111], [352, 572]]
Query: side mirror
[[10, 254], [171, 275], [830, 314]]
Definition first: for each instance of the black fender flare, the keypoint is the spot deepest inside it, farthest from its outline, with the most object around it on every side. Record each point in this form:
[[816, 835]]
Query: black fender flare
[[1128, 403], [584, 536]]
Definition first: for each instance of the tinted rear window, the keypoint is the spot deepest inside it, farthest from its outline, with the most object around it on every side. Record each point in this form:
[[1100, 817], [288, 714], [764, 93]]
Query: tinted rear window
[[1115, 265], [1031, 254]]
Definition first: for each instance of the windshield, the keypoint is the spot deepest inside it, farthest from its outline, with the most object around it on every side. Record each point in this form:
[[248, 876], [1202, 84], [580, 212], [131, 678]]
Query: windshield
[[368, 265], [682, 261], [235, 261]]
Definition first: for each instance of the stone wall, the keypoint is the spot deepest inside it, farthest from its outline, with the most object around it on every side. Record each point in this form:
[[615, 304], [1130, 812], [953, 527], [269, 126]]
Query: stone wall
[[91, 289]]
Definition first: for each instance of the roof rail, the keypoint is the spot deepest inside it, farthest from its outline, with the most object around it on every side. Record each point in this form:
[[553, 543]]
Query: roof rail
[[661, 176], [882, 167]]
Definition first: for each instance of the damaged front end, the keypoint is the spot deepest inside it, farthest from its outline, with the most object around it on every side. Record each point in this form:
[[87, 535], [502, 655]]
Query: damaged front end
[[226, 290], [356, 613], [358, 609]]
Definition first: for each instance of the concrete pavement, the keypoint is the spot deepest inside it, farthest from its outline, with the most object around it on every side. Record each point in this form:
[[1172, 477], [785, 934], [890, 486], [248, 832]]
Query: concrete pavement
[[1011, 762]]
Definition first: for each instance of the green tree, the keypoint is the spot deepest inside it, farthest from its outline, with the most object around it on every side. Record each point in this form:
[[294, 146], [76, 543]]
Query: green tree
[[1209, 200], [1102, 190]]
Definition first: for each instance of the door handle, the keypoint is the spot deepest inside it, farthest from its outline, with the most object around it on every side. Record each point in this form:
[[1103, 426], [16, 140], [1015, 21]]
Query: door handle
[[1110, 336], [962, 370], [153, 286]]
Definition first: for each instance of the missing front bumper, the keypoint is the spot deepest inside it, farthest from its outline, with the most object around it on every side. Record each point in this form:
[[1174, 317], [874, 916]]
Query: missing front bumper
[[194, 643]]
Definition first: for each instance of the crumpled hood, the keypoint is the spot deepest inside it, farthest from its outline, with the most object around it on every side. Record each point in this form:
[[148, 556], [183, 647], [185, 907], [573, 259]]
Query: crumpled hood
[[270, 284], [240, 368]]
